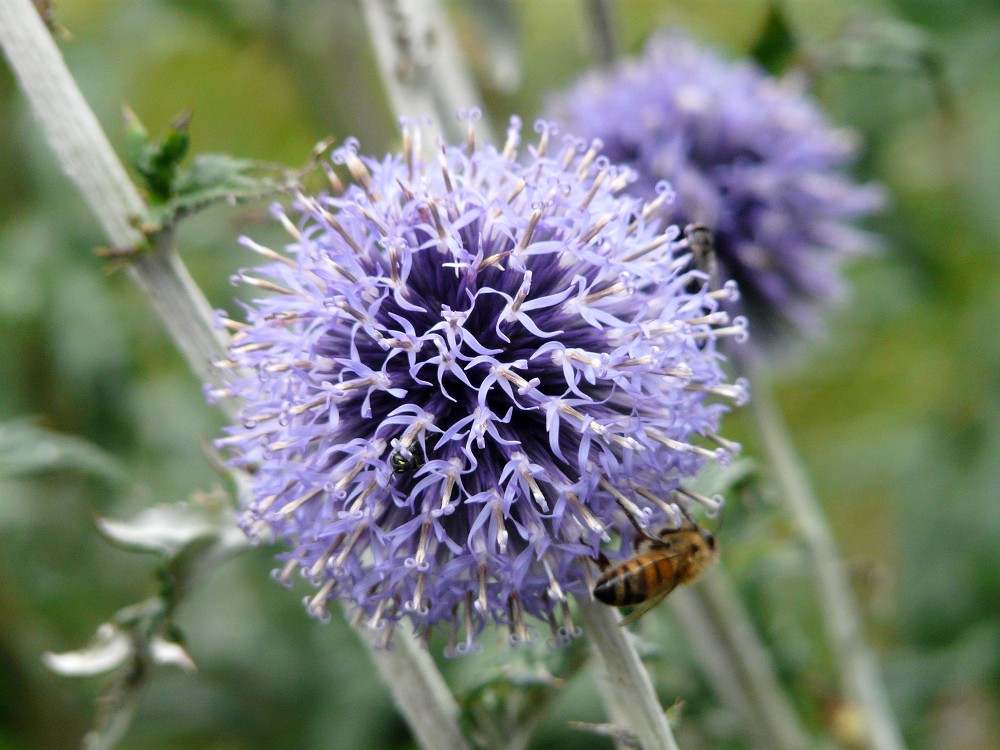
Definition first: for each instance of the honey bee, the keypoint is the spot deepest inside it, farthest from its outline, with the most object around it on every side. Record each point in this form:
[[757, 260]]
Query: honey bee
[[401, 463], [661, 563]]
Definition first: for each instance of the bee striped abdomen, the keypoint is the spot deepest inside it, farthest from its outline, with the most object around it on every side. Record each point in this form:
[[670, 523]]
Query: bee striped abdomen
[[633, 581]]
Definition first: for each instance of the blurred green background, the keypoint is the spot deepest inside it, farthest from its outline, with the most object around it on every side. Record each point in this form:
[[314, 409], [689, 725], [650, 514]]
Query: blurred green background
[[895, 410]]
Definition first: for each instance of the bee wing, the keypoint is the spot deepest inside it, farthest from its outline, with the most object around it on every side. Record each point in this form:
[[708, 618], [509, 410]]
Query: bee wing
[[647, 605]]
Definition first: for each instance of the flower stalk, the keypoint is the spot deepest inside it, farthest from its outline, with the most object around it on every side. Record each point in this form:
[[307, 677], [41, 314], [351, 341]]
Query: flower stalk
[[425, 76], [859, 672], [740, 668], [85, 154], [624, 684]]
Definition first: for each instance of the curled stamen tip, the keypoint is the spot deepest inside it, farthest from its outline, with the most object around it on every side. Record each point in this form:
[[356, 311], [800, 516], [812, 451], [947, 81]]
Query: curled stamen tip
[[741, 392], [744, 325], [279, 576], [713, 511], [666, 189]]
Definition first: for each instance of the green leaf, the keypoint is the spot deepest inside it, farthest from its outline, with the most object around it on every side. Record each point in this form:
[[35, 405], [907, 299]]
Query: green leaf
[[158, 161], [29, 450], [218, 178]]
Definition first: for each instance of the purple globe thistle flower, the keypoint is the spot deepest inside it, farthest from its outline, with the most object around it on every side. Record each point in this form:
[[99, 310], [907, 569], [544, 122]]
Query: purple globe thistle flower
[[466, 371], [748, 156]]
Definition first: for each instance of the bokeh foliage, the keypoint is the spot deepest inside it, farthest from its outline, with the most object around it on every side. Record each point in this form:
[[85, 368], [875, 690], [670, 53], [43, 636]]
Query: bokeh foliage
[[896, 409]]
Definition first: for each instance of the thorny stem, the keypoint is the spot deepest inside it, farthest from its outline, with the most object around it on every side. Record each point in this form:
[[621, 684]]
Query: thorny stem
[[739, 666], [82, 149], [859, 672], [625, 686], [424, 72]]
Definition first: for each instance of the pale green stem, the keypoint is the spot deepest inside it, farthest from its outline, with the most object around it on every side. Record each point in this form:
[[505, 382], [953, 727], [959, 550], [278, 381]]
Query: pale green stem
[[423, 70], [601, 25], [738, 665], [80, 145], [628, 693], [420, 692], [859, 672]]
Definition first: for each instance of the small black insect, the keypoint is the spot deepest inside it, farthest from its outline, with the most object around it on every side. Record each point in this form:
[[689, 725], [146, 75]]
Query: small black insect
[[402, 464]]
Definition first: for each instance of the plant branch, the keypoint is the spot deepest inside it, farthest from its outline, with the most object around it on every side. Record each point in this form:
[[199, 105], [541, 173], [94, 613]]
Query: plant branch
[[859, 672], [601, 25], [738, 665], [84, 152], [425, 76], [420, 692], [625, 686]]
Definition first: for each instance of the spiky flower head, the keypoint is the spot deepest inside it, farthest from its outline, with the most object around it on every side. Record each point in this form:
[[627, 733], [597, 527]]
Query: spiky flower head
[[749, 156], [463, 370]]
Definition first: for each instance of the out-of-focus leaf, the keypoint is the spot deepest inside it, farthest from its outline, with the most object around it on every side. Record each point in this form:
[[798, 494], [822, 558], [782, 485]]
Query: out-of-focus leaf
[[776, 46], [29, 450], [164, 529], [176, 531], [868, 44], [194, 537], [109, 649], [165, 651], [621, 735], [716, 479]]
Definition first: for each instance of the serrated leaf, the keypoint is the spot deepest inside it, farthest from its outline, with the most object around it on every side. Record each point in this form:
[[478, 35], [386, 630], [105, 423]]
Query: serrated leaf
[[27, 449], [214, 179], [109, 649], [157, 161]]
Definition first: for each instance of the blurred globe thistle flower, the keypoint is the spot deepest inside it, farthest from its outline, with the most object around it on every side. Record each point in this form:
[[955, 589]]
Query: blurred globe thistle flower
[[749, 156], [469, 373]]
